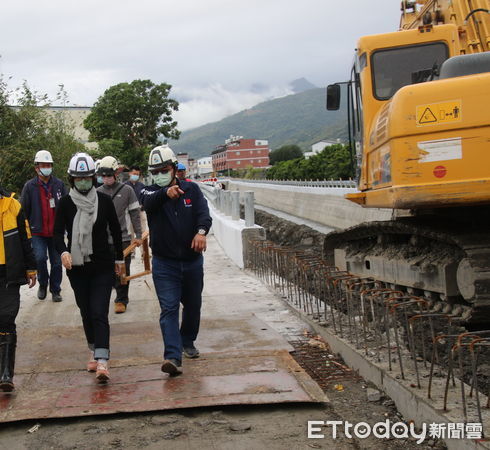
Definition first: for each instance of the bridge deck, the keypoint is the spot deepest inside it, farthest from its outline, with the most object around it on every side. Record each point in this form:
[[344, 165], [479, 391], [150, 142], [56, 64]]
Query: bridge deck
[[245, 359]]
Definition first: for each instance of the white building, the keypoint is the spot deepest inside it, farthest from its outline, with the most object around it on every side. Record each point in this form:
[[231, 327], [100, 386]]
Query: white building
[[72, 117], [319, 146], [204, 166]]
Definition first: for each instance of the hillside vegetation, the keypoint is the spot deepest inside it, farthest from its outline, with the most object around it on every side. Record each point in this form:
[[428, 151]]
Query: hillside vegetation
[[300, 119]]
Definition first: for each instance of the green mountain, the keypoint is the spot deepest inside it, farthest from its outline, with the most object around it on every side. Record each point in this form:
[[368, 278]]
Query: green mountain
[[300, 119]]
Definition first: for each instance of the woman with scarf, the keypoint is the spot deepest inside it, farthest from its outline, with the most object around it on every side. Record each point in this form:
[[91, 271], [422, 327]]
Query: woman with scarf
[[86, 216]]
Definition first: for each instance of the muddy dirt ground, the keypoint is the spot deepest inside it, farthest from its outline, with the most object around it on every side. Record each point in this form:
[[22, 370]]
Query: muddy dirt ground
[[243, 427]]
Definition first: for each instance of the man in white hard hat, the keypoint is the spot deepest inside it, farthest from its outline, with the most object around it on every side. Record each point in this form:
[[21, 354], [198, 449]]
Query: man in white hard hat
[[178, 220], [126, 204], [39, 199]]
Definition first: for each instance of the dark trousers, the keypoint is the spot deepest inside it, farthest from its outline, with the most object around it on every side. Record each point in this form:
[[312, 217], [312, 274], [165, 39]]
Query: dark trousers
[[178, 282], [123, 289], [9, 306], [44, 246], [92, 286]]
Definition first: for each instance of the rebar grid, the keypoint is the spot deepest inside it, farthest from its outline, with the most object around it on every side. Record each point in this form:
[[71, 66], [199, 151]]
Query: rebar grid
[[387, 324], [315, 356]]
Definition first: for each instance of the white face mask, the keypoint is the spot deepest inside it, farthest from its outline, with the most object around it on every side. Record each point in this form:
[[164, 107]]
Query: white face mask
[[162, 179]]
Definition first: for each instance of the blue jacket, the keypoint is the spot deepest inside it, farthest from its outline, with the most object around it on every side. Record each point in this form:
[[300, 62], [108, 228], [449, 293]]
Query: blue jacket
[[32, 205], [174, 223]]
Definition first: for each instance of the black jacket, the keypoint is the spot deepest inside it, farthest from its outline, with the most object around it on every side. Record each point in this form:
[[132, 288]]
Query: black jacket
[[174, 223], [103, 254], [19, 257]]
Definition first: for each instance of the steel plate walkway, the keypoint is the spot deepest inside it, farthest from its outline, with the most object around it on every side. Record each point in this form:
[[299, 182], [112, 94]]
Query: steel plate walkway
[[245, 356]]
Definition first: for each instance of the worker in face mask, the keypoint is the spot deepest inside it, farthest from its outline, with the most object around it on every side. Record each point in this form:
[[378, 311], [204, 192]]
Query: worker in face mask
[[178, 220], [40, 197], [126, 204], [87, 217], [135, 183]]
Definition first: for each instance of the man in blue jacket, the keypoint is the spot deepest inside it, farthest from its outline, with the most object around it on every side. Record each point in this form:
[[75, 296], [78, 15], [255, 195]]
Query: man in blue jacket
[[178, 220], [39, 198]]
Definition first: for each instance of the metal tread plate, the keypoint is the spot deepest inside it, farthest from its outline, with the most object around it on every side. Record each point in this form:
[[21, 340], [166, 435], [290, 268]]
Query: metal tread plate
[[256, 369]]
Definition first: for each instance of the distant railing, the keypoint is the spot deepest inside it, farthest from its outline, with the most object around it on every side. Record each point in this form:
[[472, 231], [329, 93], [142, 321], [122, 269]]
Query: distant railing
[[305, 183], [228, 202]]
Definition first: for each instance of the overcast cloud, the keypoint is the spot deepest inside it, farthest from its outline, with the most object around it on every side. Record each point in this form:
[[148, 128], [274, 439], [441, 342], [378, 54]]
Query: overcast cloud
[[211, 52]]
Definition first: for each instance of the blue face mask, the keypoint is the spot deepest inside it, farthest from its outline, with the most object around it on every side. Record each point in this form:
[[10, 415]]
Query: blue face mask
[[134, 177], [100, 180], [46, 171]]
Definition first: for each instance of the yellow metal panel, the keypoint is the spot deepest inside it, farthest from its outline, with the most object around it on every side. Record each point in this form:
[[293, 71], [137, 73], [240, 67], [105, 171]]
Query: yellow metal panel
[[437, 195], [439, 113]]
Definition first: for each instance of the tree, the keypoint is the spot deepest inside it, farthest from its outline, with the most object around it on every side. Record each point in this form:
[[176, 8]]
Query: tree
[[285, 153], [332, 163], [27, 128], [134, 114]]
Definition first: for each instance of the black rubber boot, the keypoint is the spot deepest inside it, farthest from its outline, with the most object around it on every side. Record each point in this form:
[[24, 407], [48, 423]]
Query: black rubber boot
[[8, 342]]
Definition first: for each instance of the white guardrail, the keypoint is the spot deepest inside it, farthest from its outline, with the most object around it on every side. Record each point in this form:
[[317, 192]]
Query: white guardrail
[[305, 183]]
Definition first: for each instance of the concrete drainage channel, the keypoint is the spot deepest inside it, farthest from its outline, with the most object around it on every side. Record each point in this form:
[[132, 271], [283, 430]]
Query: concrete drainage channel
[[364, 343]]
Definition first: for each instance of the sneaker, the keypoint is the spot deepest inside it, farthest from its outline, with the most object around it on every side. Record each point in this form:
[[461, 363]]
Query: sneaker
[[172, 366], [102, 372], [57, 297], [42, 292], [92, 363], [191, 352], [119, 308]]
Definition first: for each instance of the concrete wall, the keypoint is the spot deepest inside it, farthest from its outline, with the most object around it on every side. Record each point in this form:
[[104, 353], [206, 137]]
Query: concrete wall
[[325, 206], [232, 235]]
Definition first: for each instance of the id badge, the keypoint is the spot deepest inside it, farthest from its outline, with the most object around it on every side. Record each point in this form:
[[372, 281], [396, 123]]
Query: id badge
[[51, 203]]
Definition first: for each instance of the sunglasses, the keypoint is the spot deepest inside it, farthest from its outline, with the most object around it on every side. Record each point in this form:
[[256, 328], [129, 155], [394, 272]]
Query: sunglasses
[[157, 171]]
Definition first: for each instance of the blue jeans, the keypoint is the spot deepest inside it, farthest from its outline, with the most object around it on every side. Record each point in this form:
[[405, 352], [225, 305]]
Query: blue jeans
[[178, 282], [43, 246]]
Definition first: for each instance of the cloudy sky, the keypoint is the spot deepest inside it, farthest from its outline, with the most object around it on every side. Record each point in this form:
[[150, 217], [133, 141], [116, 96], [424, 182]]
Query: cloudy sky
[[220, 56]]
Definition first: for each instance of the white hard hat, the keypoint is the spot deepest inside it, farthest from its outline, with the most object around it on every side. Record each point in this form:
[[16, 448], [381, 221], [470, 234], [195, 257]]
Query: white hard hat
[[161, 156], [43, 156], [81, 165], [107, 166]]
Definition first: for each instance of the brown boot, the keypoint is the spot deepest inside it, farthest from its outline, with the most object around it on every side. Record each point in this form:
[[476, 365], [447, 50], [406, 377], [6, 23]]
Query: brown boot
[[119, 308]]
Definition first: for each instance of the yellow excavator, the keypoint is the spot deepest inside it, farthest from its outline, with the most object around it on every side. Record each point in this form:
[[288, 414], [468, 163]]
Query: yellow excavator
[[419, 122]]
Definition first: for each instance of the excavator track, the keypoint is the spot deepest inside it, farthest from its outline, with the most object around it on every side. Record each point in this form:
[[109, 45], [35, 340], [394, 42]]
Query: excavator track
[[427, 242]]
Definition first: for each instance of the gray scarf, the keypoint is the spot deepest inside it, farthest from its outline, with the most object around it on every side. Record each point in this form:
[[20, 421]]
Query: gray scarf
[[81, 239]]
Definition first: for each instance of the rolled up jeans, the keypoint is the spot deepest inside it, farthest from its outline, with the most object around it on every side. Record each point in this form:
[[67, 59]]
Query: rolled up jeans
[[92, 286]]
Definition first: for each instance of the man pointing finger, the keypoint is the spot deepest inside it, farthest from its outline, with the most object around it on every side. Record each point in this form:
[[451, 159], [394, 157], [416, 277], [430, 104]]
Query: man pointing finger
[[178, 220]]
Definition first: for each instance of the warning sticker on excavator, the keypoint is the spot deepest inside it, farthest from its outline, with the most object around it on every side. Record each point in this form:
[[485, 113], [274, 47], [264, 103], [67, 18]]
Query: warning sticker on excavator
[[439, 113]]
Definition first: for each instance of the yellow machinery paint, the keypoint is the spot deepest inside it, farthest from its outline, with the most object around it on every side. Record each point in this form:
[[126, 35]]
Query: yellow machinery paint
[[428, 144], [419, 118]]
